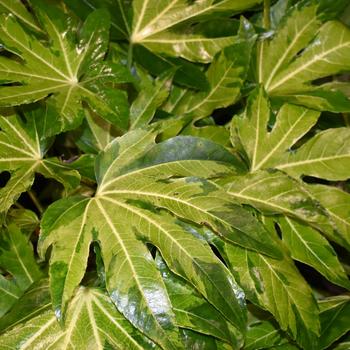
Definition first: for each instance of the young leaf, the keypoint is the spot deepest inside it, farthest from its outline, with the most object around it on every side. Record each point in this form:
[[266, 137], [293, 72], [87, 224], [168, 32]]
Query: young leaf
[[150, 97], [79, 73]]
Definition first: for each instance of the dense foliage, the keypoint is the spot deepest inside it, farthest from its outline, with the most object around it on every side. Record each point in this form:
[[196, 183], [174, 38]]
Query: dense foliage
[[174, 174]]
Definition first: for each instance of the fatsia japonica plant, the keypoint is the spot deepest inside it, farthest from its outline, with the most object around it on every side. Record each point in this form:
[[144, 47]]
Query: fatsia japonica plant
[[174, 174]]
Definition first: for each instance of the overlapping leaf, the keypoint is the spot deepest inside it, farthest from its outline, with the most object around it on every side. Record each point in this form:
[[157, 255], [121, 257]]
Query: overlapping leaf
[[175, 27], [324, 47], [325, 155], [308, 246], [226, 76], [277, 286], [70, 73], [135, 176], [18, 265], [334, 319], [92, 322], [17, 8], [22, 151]]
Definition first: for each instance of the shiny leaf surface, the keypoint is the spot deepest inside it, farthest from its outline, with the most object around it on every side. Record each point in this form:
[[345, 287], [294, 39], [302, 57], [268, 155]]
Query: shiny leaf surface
[[78, 73]]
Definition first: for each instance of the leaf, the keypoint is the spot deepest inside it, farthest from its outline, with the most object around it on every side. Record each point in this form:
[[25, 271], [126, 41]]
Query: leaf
[[216, 133], [119, 19], [290, 76], [194, 312], [92, 321], [273, 192], [262, 334], [19, 10], [22, 151], [134, 177], [324, 156], [25, 219], [334, 319], [187, 74], [19, 265], [160, 27], [95, 133], [32, 303], [150, 97], [277, 286], [265, 149], [335, 201], [310, 247], [328, 150], [194, 340], [79, 73], [225, 75]]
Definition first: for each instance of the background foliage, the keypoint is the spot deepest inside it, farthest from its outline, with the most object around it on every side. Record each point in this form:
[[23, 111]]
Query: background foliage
[[174, 174]]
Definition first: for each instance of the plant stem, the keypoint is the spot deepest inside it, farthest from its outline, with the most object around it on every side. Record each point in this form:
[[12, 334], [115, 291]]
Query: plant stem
[[267, 22], [36, 201], [346, 117]]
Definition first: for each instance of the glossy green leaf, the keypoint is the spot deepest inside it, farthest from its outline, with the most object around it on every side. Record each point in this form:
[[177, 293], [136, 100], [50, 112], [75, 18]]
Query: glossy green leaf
[[95, 133], [22, 151], [310, 247], [277, 286], [151, 96], [92, 322], [194, 312], [262, 335], [134, 177], [326, 155], [195, 340], [17, 8], [324, 50], [33, 302], [335, 313], [26, 220], [264, 148], [118, 9], [18, 264], [273, 192], [79, 73], [336, 203], [226, 75], [161, 26]]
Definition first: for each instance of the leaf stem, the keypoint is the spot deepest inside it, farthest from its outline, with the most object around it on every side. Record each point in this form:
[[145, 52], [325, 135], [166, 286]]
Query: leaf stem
[[36, 201], [130, 53], [19, 206], [267, 22]]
